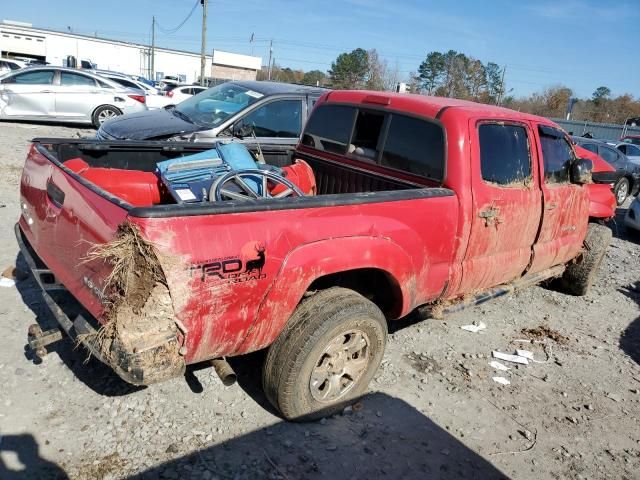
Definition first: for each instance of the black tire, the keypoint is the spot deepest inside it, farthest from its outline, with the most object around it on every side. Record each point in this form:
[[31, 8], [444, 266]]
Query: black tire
[[579, 276], [300, 351], [621, 190], [104, 113]]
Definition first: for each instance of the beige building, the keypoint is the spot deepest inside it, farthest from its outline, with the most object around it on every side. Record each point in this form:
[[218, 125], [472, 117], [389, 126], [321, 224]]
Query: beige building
[[22, 41]]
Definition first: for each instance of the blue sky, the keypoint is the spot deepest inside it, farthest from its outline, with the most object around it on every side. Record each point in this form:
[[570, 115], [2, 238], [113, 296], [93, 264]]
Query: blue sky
[[578, 43]]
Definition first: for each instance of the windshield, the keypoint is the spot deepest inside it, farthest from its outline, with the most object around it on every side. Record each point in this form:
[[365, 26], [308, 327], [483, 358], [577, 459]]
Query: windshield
[[211, 107]]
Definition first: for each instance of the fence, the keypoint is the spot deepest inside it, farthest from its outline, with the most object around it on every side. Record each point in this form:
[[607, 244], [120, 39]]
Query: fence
[[606, 131]]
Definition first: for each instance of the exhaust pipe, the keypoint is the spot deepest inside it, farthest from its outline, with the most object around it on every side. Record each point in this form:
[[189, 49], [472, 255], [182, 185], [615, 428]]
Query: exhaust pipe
[[224, 371]]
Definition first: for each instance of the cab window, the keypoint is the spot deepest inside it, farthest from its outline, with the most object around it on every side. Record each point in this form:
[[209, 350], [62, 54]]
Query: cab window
[[504, 154], [557, 155]]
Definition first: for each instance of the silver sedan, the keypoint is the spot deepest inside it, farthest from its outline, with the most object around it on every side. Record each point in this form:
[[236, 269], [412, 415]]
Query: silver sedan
[[57, 94]]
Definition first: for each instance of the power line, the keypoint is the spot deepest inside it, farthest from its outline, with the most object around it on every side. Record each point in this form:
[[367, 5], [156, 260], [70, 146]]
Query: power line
[[174, 30]]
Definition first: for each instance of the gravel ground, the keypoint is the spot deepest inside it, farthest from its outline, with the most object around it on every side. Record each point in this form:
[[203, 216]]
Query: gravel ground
[[433, 410]]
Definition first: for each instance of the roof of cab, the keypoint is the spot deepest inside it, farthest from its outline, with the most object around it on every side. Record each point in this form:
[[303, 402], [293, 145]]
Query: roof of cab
[[426, 105]]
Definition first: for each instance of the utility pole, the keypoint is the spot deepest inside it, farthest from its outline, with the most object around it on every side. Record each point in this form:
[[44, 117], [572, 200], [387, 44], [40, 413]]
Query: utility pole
[[270, 53], [153, 50], [501, 92], [203, 59]]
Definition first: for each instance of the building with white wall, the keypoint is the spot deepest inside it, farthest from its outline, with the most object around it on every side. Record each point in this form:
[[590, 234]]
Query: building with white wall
[[21, 40]]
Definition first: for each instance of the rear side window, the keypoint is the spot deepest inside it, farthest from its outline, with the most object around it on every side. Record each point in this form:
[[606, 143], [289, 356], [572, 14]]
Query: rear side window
[[609, 154], [70, 79], [329, 128], [416, 146], [590, 146], [557, 155], [504, 154], [40, 77]]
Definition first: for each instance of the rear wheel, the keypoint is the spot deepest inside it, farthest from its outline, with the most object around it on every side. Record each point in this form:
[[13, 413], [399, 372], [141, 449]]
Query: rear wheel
[[621, 190], [579, 276], [326, 355], [104, 113]]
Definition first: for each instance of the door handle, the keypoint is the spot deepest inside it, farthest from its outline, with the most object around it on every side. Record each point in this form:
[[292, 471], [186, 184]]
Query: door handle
[[46, 91], [55, 194]]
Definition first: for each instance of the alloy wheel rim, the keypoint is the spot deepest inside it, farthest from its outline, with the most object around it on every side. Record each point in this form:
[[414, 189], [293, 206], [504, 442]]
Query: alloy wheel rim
[[622, 192], [340, 366], [106, 115]]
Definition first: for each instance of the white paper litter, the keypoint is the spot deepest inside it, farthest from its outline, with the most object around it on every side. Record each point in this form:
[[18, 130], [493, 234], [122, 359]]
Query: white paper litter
[[501, 380], [499, 366], [510, 358], [7, 282], [525, 353], [474, 328]]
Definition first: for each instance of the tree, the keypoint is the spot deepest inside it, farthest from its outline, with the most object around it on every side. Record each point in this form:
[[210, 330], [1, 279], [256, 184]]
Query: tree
[[314, 77], [350, 69], [494, 82], [601, 94], [430, 72]]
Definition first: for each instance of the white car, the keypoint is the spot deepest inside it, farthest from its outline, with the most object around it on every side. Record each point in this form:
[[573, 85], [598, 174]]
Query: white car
[[182, 92], [9, 65], [154, 99], [59, 94], [630, 150]]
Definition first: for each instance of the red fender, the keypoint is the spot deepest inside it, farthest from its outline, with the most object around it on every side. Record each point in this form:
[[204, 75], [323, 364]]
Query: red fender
[[314, 260]]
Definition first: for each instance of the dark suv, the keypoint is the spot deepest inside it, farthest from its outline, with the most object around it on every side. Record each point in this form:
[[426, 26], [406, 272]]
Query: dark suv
[[629, 182]]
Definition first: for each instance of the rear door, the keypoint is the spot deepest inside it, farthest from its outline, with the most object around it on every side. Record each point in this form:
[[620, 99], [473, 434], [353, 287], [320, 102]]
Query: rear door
[[28, 95], [506, 206], [565, 205], [77, 96]]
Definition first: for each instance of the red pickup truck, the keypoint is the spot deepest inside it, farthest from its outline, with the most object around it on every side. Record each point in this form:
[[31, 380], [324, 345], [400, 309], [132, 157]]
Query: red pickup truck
[[417, 201]]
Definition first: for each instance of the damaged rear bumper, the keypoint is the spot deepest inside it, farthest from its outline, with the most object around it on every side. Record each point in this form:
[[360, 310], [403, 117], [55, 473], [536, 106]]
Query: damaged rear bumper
[[152, 360]]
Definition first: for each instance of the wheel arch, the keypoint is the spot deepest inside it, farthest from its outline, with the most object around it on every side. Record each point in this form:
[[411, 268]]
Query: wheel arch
[[335, 262]]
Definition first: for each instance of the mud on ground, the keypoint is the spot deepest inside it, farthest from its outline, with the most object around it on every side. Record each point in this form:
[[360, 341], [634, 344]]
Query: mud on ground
[[433, 411]]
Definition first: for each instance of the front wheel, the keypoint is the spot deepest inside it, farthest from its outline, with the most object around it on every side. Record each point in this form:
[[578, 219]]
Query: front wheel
[[326, 355], [104, 113], [579, 276], [621, 190]]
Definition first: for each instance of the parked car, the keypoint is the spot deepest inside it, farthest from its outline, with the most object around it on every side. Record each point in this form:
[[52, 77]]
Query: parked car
[[632, 217], [415, 201], [58, 94], [635, 139], [154, 99], [275, 112], [631, 151], [178, 93], [9, 65], [629, 182], [602, 203]]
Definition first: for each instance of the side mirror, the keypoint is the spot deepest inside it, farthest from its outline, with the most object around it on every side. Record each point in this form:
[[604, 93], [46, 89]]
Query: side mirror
[[581, 171], [241, 129]]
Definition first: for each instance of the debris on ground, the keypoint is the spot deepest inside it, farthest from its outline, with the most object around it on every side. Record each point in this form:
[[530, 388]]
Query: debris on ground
[[543, 332], [510, 358], [474, 327], [501, 380], [499, 366]]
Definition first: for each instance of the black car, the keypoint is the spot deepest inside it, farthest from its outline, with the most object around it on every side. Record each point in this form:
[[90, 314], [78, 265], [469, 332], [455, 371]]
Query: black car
[[629, 172], [270, 114]]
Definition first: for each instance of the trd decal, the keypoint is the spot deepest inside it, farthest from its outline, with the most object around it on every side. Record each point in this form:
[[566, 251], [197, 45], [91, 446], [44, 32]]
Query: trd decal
[[234, 269]]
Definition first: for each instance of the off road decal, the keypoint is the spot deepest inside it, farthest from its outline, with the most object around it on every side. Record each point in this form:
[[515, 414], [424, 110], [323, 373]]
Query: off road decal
[[233, 269]]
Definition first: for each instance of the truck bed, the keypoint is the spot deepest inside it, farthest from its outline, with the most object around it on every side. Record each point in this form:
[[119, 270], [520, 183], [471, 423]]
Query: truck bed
[[234, 270]]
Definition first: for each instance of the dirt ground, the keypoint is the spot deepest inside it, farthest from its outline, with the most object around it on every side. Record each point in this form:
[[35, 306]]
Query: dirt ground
[[433, 410]]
